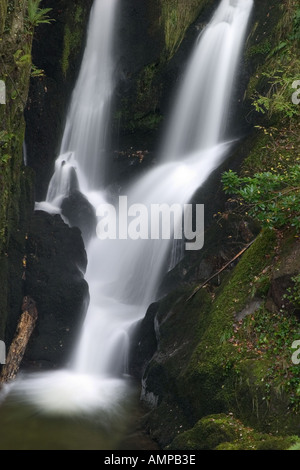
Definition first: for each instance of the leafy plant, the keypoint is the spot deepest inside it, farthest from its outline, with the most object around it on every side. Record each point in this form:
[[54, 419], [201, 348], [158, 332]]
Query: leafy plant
[[271, 88], [293, 294], [277, 100], [36, 72], [295, 35], [266, 336], [271, 198], [37, 15], [22, 59]]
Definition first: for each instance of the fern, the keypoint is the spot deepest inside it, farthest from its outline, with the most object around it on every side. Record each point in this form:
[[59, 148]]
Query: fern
[[37, 15]]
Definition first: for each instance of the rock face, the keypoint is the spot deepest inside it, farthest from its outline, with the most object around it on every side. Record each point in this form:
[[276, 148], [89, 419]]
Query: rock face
[[57, 50], [80, 213], [149, 63], [148, 36], [143, 343], [210, 358], [57, 270], [56, 261], [16, 182], [228, 349]]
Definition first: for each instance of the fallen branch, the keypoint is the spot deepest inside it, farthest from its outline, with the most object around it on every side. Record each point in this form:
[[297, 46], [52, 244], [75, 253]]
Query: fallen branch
[[18, 346], [220, 270]]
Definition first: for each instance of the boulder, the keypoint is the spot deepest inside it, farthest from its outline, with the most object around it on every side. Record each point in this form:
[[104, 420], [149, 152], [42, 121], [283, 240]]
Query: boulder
[[54, 277], [80, 213], [143, 343]]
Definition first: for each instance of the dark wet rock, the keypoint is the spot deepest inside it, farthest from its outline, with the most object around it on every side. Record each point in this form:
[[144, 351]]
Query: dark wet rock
[[80, 213], [54, 277], [57, 49], [144, 342]]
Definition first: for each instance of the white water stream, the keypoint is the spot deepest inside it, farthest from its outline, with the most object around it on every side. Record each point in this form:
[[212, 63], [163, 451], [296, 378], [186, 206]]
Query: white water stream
[[123, 275]]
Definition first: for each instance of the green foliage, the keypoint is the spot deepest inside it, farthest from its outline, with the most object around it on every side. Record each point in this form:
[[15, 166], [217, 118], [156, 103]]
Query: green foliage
[[295, 447], [270, 336], [272, 147], [5, 140], [270, 87], [225, 432], [295, 34], [146, 90], [72, 37], [270, 197], [37, 15], [277, 100], [262, 48], [22, 59], [36, 72], [66, 51], [176, 17], [293, 293]]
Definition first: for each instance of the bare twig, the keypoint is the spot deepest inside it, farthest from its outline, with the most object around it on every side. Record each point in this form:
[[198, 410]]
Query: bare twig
[[220, 270]]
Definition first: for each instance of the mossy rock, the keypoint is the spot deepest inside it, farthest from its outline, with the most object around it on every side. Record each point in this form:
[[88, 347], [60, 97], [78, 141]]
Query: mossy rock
[[262, 442], [16, 182], [206, 371], [199, 366], [176, 17], [207, 434], [224, 432]]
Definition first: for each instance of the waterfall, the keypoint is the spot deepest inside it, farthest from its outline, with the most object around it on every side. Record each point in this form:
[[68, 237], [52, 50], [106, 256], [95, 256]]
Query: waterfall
[[84, 143], [200, 114], [123, 274]]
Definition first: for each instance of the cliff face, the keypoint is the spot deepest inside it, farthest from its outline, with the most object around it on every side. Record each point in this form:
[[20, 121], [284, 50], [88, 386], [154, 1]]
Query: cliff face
[[57, 51], [147, 36], [16, 182], [150, 63], [222, 357], [225, 355], [20, 28]]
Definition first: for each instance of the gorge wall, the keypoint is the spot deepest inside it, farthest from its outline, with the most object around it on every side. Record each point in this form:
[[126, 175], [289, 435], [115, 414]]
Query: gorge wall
[[208, 377]]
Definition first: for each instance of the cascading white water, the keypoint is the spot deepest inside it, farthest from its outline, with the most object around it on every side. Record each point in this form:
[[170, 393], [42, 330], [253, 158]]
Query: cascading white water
[[200, 113], [84, 142], [199, 117], [123, 275]]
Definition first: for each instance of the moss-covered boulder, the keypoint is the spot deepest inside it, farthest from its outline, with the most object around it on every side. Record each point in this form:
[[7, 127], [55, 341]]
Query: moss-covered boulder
[[224, 351], [224, 432]]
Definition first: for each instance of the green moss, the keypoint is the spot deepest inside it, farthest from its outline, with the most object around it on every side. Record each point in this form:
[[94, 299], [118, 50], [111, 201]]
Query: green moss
[[295, 446], [3, 294], [213, 363], [261, 442], [176, 17], [224, 432], [207, 434], [263, 47], [66, 50], [234, 371], [3, 9], [272, 148], [223, 365], [145, 84], [232, 377], [276, 65], [16, 191], [73, 36], [234, 293], [143, 114]]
